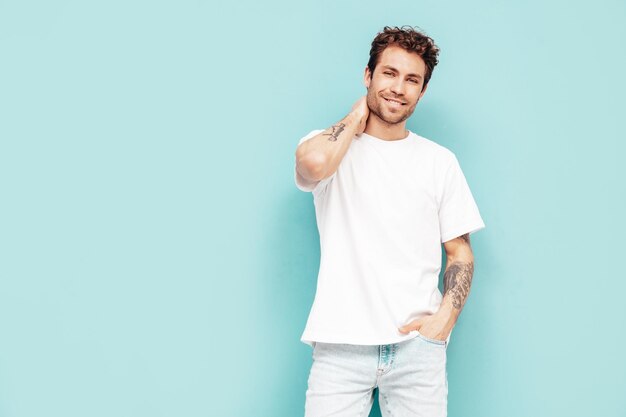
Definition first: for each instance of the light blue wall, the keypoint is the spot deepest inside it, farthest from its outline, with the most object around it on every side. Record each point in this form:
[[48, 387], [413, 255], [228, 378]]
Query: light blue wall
[[156, 258]]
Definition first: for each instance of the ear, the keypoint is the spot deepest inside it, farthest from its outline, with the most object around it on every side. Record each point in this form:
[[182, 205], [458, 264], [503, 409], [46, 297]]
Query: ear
[[367, 77]]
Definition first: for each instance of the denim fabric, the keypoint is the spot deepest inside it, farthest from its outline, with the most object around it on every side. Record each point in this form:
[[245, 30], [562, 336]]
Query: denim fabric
[[411, 379]]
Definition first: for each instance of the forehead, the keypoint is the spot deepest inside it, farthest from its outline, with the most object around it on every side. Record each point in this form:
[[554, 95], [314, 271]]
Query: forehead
[[403, 61]]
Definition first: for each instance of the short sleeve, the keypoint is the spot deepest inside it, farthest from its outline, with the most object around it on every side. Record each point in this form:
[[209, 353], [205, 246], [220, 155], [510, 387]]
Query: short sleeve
[[458, 212], [310, 187]]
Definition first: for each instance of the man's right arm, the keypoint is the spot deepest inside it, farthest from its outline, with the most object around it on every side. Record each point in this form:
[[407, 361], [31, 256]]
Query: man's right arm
[[318, 158]]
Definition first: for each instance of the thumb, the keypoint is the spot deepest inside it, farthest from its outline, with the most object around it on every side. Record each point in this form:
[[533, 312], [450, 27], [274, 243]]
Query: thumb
[[414, 325]]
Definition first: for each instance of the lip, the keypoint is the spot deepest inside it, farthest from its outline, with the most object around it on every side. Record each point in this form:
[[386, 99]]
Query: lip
[[394, 102]]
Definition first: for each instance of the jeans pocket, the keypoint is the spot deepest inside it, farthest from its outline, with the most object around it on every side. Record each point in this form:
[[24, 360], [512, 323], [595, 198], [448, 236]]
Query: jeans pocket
[[431, 341]]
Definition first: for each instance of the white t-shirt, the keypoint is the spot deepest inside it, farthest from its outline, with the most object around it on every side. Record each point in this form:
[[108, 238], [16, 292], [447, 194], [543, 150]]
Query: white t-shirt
[[382, 217]]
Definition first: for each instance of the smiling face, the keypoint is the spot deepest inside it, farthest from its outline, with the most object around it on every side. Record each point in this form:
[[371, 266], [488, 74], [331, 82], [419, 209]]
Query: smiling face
[[396, 85]]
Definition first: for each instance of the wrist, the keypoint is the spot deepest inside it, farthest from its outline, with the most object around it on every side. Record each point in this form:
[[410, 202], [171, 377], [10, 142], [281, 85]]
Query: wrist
[[448, 314], [357, 115]]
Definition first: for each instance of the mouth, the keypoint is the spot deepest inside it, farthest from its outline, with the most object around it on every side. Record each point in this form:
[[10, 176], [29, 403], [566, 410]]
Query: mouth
[[394, 103]]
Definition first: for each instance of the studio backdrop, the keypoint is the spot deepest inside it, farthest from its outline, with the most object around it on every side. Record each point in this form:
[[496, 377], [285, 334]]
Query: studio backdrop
[[156, 258]]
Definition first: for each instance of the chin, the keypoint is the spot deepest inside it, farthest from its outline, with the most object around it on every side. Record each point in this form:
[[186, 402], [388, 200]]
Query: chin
[[395, 120]]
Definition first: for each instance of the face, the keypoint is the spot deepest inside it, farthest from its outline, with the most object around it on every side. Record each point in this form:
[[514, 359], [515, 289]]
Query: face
[[396, 85]]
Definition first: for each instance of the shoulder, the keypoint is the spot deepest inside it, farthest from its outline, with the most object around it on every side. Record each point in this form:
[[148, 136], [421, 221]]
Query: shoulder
[[441, 154]]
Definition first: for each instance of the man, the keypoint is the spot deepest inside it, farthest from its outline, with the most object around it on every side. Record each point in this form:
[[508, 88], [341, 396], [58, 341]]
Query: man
[[385, 200]]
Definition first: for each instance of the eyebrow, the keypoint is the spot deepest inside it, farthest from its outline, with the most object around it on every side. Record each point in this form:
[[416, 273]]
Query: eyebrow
[[410, 75]]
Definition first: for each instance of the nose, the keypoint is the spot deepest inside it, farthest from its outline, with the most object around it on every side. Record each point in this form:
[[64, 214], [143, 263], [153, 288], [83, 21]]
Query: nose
[[397, 87]]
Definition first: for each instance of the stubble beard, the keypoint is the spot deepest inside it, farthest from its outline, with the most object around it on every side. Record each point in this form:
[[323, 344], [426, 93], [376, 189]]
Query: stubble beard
[[375, 103]]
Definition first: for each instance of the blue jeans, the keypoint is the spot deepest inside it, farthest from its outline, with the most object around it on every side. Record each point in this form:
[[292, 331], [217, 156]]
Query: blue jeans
[[411, 379]]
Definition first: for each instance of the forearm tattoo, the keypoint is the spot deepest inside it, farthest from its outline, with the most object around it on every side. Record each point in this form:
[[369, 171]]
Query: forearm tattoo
[[337, 129], [457, 281]]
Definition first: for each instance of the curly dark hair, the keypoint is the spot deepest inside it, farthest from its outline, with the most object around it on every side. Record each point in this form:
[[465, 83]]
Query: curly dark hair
[[409, 39]]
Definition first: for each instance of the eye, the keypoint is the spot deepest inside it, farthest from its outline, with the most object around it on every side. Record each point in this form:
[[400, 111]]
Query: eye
[[387, 73], [413, 80]]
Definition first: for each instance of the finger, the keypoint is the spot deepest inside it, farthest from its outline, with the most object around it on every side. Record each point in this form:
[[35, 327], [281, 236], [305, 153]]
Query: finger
[[414, 325]]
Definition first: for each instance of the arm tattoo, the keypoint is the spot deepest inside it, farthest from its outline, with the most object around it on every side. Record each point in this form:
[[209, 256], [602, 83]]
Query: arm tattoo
[[337, 129], [457, 281]]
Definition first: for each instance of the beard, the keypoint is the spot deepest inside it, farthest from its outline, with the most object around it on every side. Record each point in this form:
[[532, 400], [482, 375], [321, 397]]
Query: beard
[[377, 105]]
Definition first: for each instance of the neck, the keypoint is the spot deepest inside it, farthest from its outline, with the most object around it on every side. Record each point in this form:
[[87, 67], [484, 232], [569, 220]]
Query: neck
[[383, 130]]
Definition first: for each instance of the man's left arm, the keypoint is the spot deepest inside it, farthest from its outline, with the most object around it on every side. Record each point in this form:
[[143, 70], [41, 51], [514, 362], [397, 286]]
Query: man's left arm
[[457, 280]]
